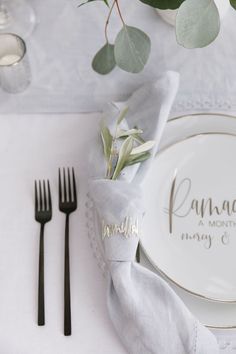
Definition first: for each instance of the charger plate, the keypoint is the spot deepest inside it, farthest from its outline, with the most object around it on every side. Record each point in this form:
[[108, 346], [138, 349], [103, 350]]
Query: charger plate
[[190, 224]]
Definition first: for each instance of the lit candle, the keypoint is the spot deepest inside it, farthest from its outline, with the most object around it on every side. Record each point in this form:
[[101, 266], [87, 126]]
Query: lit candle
[[14, 66], [9, 59]]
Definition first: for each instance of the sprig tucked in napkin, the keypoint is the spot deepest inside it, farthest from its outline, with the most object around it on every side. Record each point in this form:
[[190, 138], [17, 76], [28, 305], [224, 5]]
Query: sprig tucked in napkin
[[123, 147], [148, 316]]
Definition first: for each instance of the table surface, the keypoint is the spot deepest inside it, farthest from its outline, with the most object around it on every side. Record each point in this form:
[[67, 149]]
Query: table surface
[[54, 140], [64, 82]]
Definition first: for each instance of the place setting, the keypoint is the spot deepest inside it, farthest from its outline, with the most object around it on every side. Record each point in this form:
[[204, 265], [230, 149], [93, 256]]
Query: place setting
[[118, 211], [209, 218], [117, 179]]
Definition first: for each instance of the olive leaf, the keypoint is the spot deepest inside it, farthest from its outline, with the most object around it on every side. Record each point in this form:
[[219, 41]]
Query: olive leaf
[[137, 158], [143, 148], [118, 155], [138, 138], [104, 61], [122, 115], [233, 3], [164, 4], [132, 49], [123, 133], [124, 153], [86, 2], [106, 140], [197, 23]]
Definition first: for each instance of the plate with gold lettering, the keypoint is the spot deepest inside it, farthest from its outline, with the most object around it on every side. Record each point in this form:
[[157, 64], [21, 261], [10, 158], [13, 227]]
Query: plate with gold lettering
[[190, 223], [219, 315]]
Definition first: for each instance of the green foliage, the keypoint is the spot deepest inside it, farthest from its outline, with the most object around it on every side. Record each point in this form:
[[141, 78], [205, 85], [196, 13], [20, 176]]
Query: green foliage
[[233, 3], [124, 154], [143, 147], [132, 49], [124, 133], [197, 23], [132, 150], [137, 158], [164, 4], [106, 140], [104, 61], [122, 115]]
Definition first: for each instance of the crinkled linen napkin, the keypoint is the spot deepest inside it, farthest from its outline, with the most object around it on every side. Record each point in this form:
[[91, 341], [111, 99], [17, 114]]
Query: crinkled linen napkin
[[146, 313]]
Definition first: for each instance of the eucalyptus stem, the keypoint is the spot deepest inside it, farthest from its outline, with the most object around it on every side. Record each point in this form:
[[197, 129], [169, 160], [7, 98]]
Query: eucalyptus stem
[[119, 12], [108, 20]]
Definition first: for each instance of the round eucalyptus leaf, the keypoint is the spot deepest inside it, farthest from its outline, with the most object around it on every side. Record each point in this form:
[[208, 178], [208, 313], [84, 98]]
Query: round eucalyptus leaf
[[197, 23], [233, 3], [164, 4], [104, 60], [132, 49]]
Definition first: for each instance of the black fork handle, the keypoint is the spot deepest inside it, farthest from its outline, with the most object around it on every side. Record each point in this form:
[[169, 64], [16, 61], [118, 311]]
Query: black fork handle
[[138, 254], [67, 306], [41, 305]]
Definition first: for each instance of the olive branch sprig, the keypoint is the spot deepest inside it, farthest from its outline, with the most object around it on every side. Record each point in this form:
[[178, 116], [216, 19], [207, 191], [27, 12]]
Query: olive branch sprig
[[124, 148]]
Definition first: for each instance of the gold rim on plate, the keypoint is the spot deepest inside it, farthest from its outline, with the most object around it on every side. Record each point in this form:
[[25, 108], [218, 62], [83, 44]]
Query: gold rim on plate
[[142, 247], [215, 327]]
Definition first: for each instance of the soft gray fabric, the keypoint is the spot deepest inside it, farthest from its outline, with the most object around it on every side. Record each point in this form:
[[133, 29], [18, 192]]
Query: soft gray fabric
[[148, 316]]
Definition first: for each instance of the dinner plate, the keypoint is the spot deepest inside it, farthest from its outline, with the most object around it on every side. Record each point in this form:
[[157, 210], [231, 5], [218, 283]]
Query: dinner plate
[[218, 315], [190, 224]]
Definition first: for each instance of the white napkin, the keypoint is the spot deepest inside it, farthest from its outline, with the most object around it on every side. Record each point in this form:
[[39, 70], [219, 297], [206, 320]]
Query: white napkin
[[148, 316]]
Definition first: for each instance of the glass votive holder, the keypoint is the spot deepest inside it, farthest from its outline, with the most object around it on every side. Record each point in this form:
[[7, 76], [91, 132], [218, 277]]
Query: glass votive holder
[[15, 73]]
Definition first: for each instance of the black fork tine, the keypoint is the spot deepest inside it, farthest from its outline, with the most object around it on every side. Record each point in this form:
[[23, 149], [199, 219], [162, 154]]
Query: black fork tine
[[69, 184], [49, 197], [40, 196], [36, 196], [60, 188], [44, 196], [64, 185], [74, 186]]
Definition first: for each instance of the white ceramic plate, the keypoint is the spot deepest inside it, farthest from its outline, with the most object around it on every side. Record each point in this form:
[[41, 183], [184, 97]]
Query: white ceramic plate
[[190, 224], [213, 314]]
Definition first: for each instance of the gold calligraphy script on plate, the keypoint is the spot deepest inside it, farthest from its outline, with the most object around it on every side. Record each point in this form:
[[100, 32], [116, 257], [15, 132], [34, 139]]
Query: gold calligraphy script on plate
[[204, 209], [127, 228]]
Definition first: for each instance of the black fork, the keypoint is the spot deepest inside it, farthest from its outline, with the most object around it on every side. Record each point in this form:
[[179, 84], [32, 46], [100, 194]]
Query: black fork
[[43, 214], [67, 205]]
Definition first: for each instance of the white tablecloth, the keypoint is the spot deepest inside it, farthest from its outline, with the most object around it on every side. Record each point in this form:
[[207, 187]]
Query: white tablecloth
[[60, 50], [33, 147], [66, 38]]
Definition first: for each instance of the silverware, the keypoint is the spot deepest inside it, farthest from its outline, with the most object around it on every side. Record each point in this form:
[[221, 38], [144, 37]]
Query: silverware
[[43, 214], [67, 205], [138, 254]]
